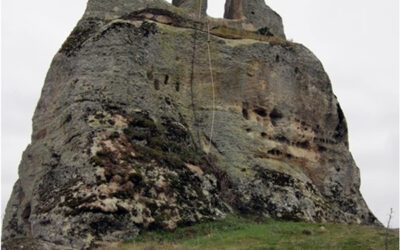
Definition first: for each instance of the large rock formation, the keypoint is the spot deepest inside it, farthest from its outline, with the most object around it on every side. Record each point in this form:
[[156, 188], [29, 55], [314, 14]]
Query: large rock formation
[[121, 132]]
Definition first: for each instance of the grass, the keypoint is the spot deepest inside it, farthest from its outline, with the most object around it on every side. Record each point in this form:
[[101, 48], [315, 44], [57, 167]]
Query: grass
[[244, 233]]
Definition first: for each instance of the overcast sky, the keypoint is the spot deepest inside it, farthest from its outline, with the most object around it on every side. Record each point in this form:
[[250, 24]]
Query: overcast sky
[[357, 42]]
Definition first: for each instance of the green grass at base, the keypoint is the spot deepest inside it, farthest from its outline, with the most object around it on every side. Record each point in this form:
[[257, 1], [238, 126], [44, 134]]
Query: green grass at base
[[241, 233]]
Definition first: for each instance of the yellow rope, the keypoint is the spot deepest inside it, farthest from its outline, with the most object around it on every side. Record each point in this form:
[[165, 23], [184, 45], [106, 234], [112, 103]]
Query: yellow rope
[[211, 76], [201, 4], [212, 84]]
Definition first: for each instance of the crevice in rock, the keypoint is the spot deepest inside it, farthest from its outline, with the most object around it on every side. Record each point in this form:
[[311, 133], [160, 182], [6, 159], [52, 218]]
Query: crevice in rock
[[27, 212], [281, 138], [67, 119], [166, 79], [149, 74], [341, 128], [167, 100], [169, 18], [275, 151], [303, 144]]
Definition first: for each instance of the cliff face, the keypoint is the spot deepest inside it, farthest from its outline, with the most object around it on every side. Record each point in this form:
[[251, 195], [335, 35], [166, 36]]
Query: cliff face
[[121, 132]]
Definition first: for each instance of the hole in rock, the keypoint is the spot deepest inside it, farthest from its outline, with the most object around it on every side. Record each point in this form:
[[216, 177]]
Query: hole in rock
[[27, 212], [275, 114], [166, 79], [245, 114], [265, 32], [260, 111], [177, 86], [275, 152], [322, 149], [263, 134]]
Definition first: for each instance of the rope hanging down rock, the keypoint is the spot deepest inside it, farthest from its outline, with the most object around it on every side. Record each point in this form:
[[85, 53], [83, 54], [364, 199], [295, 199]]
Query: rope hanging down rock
[[211, 77]]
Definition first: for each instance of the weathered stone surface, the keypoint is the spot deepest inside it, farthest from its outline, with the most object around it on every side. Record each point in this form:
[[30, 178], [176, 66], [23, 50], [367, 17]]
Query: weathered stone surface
[[261, 16], [121, 131], [26, 243], [198, 7]]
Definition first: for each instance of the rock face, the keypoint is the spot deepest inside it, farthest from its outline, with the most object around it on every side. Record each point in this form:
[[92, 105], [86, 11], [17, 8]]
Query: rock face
[[262, 17], [196, 7], [121, 132]]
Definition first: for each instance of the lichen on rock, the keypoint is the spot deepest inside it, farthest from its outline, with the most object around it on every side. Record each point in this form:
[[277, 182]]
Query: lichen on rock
[[121, 133]]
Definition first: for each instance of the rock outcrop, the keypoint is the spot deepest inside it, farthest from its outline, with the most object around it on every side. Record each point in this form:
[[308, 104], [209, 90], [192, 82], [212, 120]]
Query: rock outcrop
[[121, 133], [257, 14]]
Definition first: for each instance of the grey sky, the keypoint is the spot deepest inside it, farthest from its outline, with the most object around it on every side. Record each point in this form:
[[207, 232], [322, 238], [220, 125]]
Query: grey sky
[[357, 41]]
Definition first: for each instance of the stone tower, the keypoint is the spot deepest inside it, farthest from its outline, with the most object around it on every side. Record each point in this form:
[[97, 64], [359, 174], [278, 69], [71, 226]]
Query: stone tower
[[121, 131]]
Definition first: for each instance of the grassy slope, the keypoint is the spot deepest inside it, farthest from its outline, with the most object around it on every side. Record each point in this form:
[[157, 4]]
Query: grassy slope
[[240, 233]]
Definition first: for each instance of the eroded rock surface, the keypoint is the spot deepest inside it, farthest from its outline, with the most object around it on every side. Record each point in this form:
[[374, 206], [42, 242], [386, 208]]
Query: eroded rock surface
[[197, 7], [256, 13], [121, 133]]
